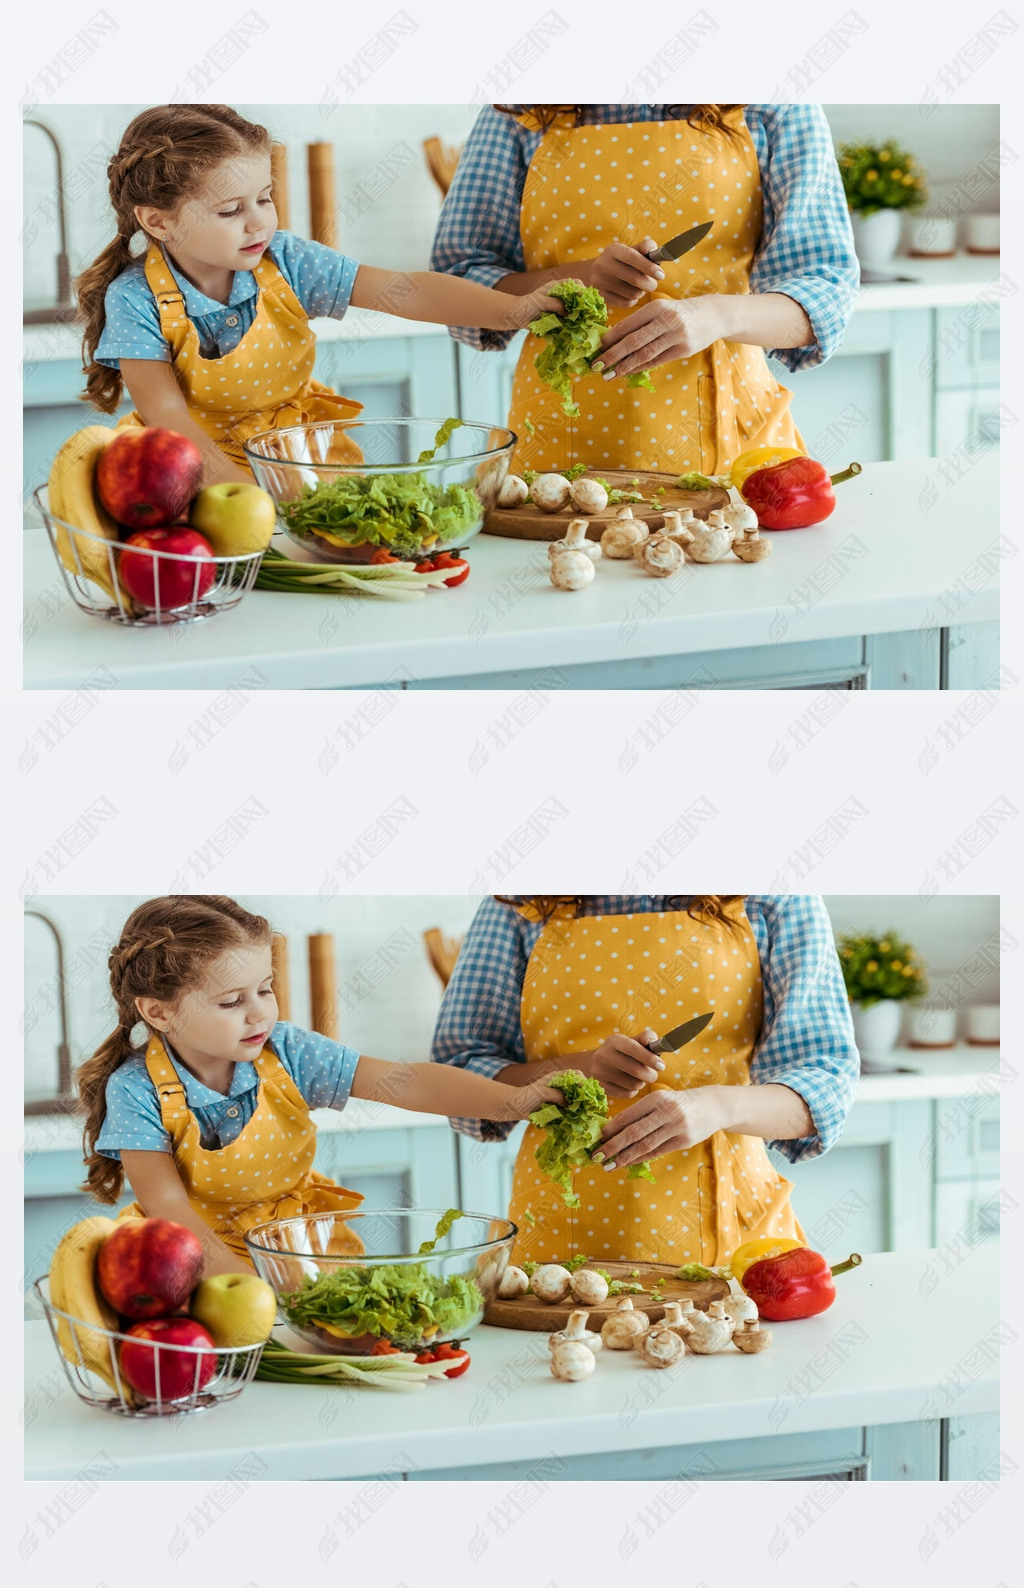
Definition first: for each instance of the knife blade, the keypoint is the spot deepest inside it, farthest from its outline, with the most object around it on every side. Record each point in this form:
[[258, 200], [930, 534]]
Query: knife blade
[[674, 1040], [677, 246]]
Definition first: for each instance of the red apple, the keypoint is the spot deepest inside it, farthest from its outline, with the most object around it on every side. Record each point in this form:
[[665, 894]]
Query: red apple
[[146, 478], [180, 1372], [149, 1267], [158, 582]]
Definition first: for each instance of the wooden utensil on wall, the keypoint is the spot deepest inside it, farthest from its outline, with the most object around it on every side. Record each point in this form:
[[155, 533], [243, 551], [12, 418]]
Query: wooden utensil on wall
[[323, 991], [323, 216], [279, 176], [442, 952], [441, 162], [279, 963]]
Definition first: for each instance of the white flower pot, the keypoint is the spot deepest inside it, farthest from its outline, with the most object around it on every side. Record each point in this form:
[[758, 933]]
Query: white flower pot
[[877, 1027], [877, 237]]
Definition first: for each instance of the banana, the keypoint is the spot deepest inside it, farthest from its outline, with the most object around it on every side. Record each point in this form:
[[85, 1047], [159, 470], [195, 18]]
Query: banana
[[73, 499], [73, 1290]]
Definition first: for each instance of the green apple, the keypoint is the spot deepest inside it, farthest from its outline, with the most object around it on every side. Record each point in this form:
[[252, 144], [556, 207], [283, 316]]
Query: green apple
[[237, 1309], [235, 517]]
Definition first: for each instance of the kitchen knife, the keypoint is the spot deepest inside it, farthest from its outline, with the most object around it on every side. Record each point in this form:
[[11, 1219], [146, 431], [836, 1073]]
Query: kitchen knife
[[681, 1035], [677, 246]]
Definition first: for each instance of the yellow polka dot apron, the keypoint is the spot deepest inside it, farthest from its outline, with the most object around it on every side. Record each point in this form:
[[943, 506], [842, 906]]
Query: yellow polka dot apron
[[265, 1173], [590, 186], [592, 976], [265, 383]]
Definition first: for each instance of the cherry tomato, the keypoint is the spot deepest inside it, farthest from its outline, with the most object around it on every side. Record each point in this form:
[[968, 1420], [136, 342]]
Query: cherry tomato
[[448, 1353], [459, 565], [426, 566]]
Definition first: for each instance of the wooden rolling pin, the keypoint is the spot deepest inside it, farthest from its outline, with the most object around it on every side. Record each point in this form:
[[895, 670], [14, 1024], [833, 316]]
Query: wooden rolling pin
[[323, 217], [279, 176], [279, 962], [323, 992]]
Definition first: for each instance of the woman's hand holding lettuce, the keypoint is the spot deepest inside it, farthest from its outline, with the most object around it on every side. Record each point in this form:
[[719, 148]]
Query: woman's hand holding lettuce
[[573, 341]]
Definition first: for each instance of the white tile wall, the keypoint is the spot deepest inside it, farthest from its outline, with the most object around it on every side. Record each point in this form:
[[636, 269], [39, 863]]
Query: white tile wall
[[397, 231], [395, 1019]]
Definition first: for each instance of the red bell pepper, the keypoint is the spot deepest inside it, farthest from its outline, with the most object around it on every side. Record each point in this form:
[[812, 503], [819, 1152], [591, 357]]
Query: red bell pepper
[[458, 565], [448, 1352], [793, 494], [796, 1284]]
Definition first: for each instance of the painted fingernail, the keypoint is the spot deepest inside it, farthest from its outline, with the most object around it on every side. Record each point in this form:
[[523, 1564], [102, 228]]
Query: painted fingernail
[[610, 1164], [597, 366], [609, 374], [659, 1064], [659, 273], [598, 1157]]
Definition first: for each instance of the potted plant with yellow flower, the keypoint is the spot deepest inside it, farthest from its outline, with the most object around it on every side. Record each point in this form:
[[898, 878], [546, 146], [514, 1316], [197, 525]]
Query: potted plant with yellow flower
[[881, 973], [880, 180]]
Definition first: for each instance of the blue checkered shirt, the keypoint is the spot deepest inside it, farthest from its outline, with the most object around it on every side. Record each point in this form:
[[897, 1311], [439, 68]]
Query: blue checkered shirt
[[806, 248], [806, 1040]]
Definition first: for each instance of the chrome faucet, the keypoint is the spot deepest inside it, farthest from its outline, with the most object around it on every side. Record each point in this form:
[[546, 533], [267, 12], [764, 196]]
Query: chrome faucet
[[65, 1102], [60, 309]]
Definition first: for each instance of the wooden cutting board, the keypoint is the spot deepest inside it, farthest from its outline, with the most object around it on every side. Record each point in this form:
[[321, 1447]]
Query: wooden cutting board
[[529, 523], [526, 1312]]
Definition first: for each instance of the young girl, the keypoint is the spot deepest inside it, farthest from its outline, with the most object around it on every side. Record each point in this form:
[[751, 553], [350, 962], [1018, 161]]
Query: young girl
[[544, 983], [209, 328], [209, 1121]]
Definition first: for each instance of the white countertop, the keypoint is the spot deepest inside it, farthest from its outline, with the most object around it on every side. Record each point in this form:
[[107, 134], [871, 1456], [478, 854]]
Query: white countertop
[[898, 1329], [939, 283], [951, 1072], [905, 548]]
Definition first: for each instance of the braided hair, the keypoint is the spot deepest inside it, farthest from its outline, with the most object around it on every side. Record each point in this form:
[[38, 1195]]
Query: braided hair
[[163, 158], [164, 951]]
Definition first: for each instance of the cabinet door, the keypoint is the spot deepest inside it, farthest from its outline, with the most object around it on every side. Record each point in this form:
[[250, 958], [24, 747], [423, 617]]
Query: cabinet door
[[399, 1168], [485, 381], [967, 345], [969, 420], [392, 376], [485, 1172]]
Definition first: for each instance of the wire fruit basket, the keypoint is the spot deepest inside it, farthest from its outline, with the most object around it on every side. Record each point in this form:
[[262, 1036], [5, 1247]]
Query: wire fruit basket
[[186, 1380], [184, 589]]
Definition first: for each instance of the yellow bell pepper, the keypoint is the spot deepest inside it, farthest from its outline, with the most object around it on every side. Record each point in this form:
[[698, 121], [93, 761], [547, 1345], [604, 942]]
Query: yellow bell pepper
[[759, 458], [753, 1251]]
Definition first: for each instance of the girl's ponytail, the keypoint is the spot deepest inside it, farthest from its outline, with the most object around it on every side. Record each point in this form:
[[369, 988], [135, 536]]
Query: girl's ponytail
[[104, 1177], [103, 386], [167, 945]]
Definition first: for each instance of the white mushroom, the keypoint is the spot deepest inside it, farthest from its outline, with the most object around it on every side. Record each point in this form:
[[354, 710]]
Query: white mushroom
[[740, 1309], [572, 1361], [621, 1328], [679, 525], [661, 1346], [622, 536], [749, 547], [514, 491], [740, 517], [711, 542], [513, 1283], [589, 1287], [576, 1329], [712, 1330], [551, 1282], [550, 492], [678, 1316], [752, 1338], [588, 496], [575, 539], [661, 556], [571, 570]]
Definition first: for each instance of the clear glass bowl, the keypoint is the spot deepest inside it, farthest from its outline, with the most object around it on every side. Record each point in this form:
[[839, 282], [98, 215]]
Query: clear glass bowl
[[185, 589], [416, 1302], [389, 501], [84, 1343]]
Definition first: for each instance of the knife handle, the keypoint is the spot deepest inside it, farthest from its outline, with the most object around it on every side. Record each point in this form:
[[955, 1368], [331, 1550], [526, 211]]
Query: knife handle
[[657, 258]]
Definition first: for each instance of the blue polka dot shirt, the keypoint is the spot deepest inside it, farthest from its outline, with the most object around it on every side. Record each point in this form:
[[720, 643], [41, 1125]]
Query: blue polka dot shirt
[[321, 1069], [320, 277]]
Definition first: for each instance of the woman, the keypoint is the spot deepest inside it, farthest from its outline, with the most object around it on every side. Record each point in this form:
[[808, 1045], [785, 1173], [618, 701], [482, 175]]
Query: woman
[[548, 983], [542, 192]]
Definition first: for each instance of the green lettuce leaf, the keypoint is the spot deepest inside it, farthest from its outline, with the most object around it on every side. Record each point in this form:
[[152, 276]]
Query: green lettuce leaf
[[573, 1131], [444, 1224]]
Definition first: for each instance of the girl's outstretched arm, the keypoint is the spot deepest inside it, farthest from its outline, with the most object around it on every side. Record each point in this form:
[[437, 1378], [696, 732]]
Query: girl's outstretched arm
[[161, 1195], [443, 1089], [158, 399], [447, 300]]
